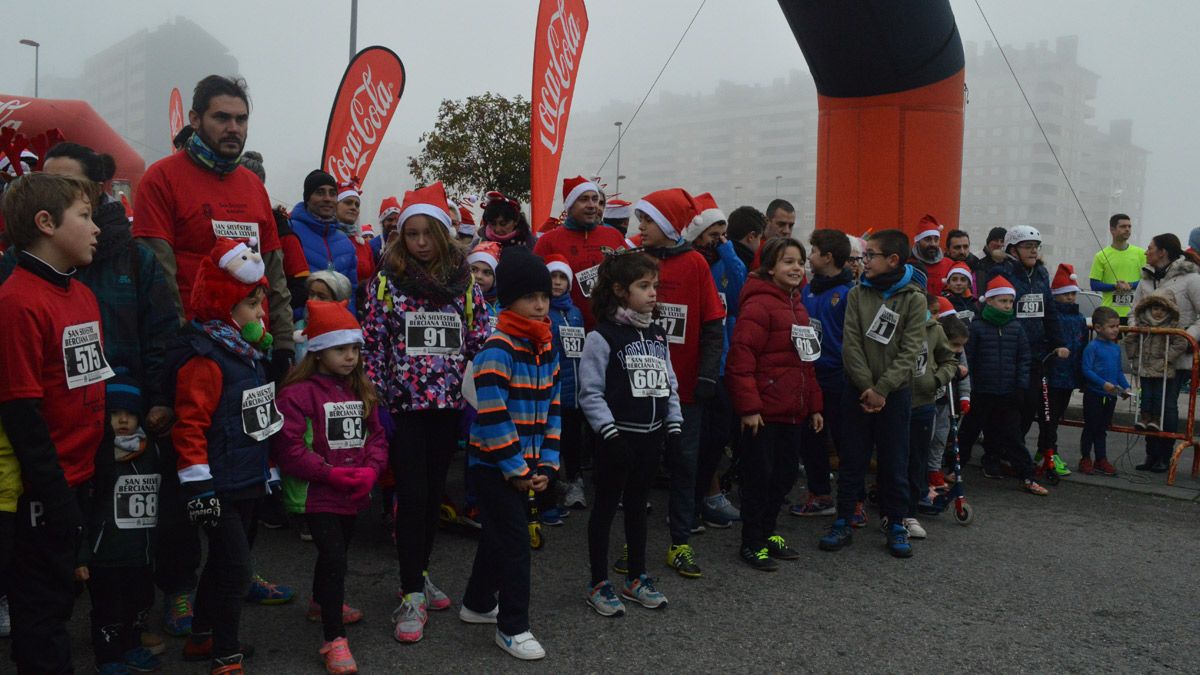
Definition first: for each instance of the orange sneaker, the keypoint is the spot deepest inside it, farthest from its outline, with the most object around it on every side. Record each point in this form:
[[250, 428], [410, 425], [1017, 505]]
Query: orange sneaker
[[338, 659], [1103, 466], [1086, 467], [1033, 488]]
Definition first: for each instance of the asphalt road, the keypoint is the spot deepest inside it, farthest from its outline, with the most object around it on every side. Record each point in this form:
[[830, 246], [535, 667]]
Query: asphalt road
[[1087, 579]]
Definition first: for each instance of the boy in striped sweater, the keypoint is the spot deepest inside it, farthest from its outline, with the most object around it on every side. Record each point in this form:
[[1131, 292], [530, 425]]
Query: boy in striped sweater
[[513, 448]]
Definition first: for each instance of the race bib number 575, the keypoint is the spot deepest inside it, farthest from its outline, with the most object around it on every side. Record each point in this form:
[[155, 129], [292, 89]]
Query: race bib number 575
[[83, 356]]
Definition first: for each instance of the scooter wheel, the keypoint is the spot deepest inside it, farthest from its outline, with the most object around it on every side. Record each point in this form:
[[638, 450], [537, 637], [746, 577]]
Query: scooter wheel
[[447, 514], [964, 514], [535, 536]]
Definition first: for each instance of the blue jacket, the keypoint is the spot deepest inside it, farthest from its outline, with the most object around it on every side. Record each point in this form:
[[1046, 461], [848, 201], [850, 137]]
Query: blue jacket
[[1044, 332], [1101, 364], [326, 247], [992, 351], [729, 274], [825, 300], [1065, 374], [563, 312]]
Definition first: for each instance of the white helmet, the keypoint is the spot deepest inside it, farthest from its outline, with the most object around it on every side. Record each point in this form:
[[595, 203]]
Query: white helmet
[[1021, 233]]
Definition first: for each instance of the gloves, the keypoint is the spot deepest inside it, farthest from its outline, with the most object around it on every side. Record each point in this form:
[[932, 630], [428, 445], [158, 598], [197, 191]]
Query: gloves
[[281, 363], [550, 473], [705, 390], [203, 508], [364, 480], [274, 481], [964, 406], [343, 479]]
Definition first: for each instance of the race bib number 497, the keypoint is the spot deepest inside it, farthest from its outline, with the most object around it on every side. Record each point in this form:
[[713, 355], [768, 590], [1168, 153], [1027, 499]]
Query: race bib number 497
[[1031, 306], [83, 356]]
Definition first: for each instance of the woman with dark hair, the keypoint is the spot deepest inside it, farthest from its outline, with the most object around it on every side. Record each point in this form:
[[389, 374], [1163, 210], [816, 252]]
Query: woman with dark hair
[[1168, 269], [503, 223]]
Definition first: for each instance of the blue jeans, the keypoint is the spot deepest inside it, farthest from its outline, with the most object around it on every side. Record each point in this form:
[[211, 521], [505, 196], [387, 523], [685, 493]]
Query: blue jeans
[[681, 466], [885, 432], [920, 434]]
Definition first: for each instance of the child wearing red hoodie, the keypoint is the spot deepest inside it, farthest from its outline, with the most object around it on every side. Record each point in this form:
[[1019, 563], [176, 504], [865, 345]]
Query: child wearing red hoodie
[[331, 452], [774, 388]]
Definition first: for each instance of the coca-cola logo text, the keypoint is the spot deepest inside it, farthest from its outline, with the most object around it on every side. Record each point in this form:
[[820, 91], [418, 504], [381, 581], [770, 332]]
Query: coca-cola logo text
[[8, 109], [370, 110], [563, 40]]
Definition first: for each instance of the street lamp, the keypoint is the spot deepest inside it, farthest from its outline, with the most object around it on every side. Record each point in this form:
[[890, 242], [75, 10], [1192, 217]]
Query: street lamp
[[618, 126], [736, 190], [36, 58], [777, 186]]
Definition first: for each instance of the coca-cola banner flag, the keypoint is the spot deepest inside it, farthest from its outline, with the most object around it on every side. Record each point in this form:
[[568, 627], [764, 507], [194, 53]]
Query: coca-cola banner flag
[[558, 45], [175, 113], [366, 100]]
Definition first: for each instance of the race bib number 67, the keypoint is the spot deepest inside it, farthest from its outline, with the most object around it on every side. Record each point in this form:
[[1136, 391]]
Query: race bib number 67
[[83, 357], [260, 417]]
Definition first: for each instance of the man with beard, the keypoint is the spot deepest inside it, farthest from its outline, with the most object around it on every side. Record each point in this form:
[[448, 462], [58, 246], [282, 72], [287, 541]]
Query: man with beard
[[927, 254], [993, 254]]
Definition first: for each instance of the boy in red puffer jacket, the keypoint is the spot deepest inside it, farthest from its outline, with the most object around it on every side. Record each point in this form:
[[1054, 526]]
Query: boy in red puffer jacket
[[774, 388]]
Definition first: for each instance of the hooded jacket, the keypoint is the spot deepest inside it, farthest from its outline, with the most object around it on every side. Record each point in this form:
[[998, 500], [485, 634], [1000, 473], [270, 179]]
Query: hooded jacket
[[998, 357], [563, 312], [825, 299], [1066, 373], [884, 363], [937, 364], [729, 275], [1182, 281], [326, 246], [1033, 304], [1155, 355]]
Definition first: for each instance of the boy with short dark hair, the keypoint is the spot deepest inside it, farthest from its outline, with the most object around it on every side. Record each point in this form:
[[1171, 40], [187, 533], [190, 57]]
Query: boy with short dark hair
[[1105, 382], [884, 331]]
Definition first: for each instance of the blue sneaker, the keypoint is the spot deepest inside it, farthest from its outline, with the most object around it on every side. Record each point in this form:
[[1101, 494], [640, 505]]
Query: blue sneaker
[[266, 593], [177, 614], [112, 668], [140, 660], [897, 541], [642, 591], [553, 516], [839, 536], [604, 600]]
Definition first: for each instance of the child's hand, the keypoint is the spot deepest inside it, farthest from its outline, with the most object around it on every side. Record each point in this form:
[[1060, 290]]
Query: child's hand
[[817, 421], [539, 482], [962, 370], [82, 574], [521, 485], [159, 420], [753, 423], [871, 401], [1062, 352], [1110, 388]]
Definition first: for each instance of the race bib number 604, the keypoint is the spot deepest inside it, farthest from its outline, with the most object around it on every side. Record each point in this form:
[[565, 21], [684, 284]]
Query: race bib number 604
[[647, 376], [83, 356]]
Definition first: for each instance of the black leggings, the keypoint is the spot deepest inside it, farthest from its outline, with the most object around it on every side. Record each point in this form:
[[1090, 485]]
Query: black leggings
[[226, 576], [419, 455], [120, 598], [571, 443], [331, 532], [716, 433], [614, 476]]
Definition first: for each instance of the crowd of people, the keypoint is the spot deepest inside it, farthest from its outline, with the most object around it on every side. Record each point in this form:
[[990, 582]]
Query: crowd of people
[[182, 370]]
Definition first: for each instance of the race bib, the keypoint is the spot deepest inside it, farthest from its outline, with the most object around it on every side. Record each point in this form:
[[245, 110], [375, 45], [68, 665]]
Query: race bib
[[1031, 306], [819, 327], [572, 341], [83, 358], [135, 501], [807, 344], [922, 360], [647, 376], [432, 333], [1122, 298], [233, 229], [260, 417], [673, 319], [966, 316], [587, 280], [492, 321], [724, 306], [345, 425], [883, 326]]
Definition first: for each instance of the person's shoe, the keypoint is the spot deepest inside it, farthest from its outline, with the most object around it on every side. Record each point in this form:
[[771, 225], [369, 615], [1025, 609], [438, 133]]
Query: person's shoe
[[1060, 467], [140, 660], [897, 541], [859, 519], [779, 550], [574, 498], [642, 591], [714, 517], [993, 471], [721, 504], [1086, 467], [914, 528], [153, 643], [338, 659], [302, 530], [112, 668], [553, 516], [228, 665], [1103, 466], [621, 566], [523, 646], [1029, 485], [5, 618], [1147, 465], [1160, 466], [814, 506], [349, 614], [266, 593], [840, 535], [937, 479], [469, 516], [435, 599], [410, 618], [468, 615], [177, 614], [697, 526], [682, 559], [603, 598], [759, 558], [199, 648]]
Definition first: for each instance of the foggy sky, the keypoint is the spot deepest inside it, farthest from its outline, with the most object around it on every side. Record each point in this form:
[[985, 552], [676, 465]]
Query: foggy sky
[[293, 54]]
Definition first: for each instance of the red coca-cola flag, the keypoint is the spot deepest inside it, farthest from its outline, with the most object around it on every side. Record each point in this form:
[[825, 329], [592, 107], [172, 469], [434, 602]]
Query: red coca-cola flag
[[558, 45], [175, 113], [366, 100]]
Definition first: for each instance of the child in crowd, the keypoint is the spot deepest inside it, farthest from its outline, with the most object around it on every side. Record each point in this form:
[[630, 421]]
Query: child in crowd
[[1063, 375], [959, 292], [884, 331], [51, 404], [514, 448], [483, 260], [323, 285], [952, 399], [567, 322], [425, 319], [1105, 383], [331, 451], [629, 395], [998, 354], [118, 543], [1151, 357], [775, 391]]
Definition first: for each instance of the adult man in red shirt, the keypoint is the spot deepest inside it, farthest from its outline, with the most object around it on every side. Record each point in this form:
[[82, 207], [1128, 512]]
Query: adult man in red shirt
[[927, 255], [580, 240]]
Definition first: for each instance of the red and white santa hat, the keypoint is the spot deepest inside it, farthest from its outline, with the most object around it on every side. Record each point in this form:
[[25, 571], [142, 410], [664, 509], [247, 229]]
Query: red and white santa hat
[[673, 210], [945, 307], [220, 285], [466, 221], [487, 252], [999, 286], [348, 189], [330, 324], [427, 201], [709, 215], [558, 263], [573, 188], [388, 206], [930, 227], [1064, 280], [617, 209], [239, 259], [368, 230], [959, 268]]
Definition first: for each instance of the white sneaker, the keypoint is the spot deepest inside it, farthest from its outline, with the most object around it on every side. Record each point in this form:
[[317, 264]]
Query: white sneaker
[[468, 615], [915, 531], [5, 621], [574, 499], [523, 646]]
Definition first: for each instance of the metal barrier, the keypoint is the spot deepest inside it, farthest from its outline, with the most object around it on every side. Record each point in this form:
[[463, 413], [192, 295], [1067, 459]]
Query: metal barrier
[[1184, 438]]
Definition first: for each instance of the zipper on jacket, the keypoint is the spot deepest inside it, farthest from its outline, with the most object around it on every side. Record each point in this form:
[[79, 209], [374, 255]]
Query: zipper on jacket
[[653, 400]]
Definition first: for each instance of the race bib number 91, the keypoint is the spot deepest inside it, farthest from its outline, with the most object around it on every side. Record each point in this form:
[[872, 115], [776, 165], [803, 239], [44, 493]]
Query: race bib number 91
[[135, 501], [83, 357], [647, 376], [432, 333], [345, 426], [572, 341], [673, 319], [260, 417], [1031, 306]]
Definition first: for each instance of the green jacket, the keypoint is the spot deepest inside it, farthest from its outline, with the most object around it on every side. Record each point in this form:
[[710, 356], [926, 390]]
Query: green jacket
[[884, 365], [937, 364]]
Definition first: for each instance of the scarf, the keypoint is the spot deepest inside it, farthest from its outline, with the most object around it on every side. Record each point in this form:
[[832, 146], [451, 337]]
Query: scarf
[[229, 337], [821, 283], [417, 282], [916, 253], [206, 157], [628, 317], [503, 239], [537, 332], [129, 447], [890, 282], [576, 226], [997, 317], [709, 252], [562, 303]]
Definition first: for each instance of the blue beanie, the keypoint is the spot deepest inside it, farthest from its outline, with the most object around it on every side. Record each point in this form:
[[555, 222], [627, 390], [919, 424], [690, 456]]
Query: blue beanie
[[1194, 239], [123, 393]]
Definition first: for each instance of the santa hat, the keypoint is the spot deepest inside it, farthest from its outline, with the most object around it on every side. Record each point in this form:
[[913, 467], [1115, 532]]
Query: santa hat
[[219, 284], [551, 223], [709, 215], [573, 188], [1064, 280], [388, 206], [486, 252], [929, 228], [945, 307], [348, 189], [239, 259], [427, 201], [330, 324], [558, 263], [617, 209], [999, 286], [959, 268], [368, 230], [673, 210], [465, 216]]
